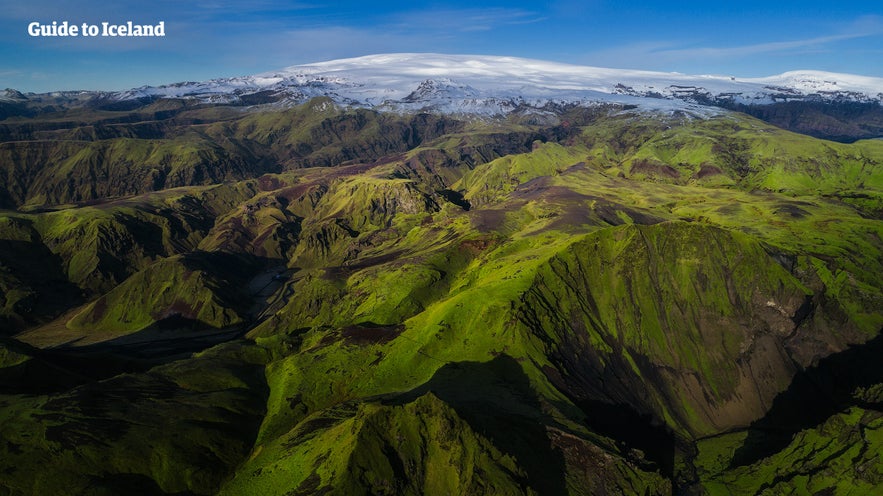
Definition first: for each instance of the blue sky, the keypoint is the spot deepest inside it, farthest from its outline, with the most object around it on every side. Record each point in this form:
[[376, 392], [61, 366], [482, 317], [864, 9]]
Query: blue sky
[[218, 38]]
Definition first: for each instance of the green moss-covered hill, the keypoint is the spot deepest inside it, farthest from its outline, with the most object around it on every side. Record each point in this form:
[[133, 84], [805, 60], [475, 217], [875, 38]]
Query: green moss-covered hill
[[324, 301]]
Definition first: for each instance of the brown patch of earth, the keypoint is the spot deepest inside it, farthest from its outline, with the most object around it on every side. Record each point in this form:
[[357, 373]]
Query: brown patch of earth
[[654, 169], [269, 183], [792, 211], [707, 170], [367, 333], [488, 220]]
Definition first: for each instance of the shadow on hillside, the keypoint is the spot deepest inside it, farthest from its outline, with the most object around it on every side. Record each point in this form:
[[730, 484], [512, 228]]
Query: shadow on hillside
[[129, 484], [42, 277], [814, 395], [631, 430], [174, 336], [55, 370], [497, 401], [60, 369]]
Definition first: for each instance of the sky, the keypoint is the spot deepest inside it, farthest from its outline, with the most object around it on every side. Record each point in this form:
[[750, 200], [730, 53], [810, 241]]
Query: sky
[[206, 39]]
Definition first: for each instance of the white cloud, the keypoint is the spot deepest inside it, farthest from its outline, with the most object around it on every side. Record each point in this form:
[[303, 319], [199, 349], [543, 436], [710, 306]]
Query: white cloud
[[415, 31], [290, 47]]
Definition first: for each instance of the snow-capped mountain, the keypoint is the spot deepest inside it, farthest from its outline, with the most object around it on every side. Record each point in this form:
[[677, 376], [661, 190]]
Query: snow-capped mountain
[[498, 85]]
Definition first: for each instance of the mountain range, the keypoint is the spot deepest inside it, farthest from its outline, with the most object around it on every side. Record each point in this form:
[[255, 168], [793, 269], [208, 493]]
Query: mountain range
[[443, 274], [822, 104], [488, 84]]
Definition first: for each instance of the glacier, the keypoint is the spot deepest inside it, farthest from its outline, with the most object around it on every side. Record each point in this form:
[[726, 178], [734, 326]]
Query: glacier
[[498, 85]]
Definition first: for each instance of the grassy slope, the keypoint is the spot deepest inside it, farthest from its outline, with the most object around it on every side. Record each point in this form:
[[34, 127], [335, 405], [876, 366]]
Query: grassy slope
[[840, 456], [110, 436], [53, 259], [195, 287]]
